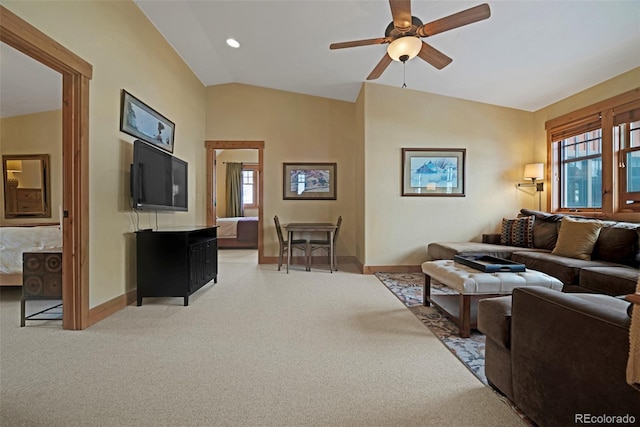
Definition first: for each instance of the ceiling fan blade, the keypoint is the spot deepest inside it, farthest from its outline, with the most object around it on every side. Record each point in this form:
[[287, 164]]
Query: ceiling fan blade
[[379, 69], [401, 12], [356, 43], [469, 16], [433, 56]]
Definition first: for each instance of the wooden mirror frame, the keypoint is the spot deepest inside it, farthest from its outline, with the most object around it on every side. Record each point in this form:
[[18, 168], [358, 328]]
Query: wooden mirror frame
[[45, 186]]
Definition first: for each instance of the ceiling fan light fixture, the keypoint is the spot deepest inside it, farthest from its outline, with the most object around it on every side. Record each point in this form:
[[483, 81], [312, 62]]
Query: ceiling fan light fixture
[[233, 43], [404, 48]]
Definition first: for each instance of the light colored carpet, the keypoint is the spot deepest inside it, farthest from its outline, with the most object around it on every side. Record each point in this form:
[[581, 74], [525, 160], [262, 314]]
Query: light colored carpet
[[408, 287], [261, 347]]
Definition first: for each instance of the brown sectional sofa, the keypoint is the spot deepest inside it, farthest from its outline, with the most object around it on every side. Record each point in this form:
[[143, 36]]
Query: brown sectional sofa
[[560, 356], [612, 269]]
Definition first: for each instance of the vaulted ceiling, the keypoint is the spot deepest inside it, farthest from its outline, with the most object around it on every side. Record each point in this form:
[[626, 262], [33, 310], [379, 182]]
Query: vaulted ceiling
[[527, 55]]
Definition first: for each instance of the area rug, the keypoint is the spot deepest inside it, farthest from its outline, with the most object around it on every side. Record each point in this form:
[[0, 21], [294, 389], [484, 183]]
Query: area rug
[[408, 288]]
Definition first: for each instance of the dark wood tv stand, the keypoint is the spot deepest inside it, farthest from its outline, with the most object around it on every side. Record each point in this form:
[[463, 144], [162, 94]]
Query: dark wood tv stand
[[175, 262]]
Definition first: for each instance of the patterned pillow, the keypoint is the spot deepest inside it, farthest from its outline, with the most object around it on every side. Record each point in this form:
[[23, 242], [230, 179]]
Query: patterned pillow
[[517, 232]]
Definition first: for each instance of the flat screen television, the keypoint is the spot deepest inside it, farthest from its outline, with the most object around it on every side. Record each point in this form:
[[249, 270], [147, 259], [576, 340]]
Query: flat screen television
[[158, 179]]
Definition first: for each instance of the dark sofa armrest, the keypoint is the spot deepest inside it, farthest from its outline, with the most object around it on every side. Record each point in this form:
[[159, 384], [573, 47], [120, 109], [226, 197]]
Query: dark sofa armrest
[[493, 238], [569, 355]]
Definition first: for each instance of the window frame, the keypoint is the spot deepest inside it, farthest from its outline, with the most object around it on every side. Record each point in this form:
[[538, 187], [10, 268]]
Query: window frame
[[600, 115], [561, 147], [623, 123], [254, 168]]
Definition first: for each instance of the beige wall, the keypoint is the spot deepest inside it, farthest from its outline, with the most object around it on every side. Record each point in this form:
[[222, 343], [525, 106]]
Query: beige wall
[[622, 83], [239, 156], [126, 51], [365, 138], [295, 128], [498, 143], [39, 133]]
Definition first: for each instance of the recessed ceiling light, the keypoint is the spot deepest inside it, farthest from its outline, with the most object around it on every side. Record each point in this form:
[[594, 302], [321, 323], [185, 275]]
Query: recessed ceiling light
[[233, 43]]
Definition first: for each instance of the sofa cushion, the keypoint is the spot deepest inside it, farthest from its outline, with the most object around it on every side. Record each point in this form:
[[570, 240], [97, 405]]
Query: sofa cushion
[[567, 270], [517, 232], [545, 234], [542, 216], [613, 281], [446, 250], [545, 228], [576, 238], [494, 319], [617, 242]]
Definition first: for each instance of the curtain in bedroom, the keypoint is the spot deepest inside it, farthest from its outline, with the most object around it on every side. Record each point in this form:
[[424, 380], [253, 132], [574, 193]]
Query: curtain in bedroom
[[234, 190]]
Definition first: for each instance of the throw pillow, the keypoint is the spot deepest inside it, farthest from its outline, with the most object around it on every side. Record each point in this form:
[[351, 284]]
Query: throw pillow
[[517, 232], [618, 243], [577, 238]]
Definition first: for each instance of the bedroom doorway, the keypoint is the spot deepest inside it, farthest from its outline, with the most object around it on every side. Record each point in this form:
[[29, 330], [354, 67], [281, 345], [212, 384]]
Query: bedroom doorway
[[76, 74], [254, 147]]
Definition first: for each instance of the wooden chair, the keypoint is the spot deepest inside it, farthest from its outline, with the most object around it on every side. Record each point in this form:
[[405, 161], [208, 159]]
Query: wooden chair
[[295, 244], [326, 245]]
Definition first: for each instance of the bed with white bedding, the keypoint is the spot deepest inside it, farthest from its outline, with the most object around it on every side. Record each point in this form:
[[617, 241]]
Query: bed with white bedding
[[14, 240], [237, 232]]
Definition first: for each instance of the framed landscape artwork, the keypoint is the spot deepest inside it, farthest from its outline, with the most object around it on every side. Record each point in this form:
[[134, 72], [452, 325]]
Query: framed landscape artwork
[[433, 172], [309, 181], [141, 121]]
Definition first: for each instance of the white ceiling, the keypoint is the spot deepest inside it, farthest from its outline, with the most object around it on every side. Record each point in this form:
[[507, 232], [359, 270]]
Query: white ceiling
[[527, 55]]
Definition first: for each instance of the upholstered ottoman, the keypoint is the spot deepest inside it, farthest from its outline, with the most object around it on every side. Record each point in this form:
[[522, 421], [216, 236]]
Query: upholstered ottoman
[[472, 285]]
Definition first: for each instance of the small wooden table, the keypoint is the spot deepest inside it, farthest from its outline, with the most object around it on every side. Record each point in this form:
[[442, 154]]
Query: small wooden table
[[310, 226]]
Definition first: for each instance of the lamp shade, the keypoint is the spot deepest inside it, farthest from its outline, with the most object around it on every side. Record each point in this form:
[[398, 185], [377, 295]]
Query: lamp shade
[[14, 165], [534, 171], [407, 45]]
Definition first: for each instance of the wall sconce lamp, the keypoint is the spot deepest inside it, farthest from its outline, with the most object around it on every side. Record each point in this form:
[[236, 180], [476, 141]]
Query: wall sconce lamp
[[534, 172]]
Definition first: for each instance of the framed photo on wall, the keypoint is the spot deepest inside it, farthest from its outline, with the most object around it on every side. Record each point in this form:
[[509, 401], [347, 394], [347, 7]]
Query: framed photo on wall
[[433, 172], [143, 122], [309, 181]]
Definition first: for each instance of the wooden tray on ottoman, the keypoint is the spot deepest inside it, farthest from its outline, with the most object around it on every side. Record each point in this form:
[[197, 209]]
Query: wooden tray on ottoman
[[489, 264]]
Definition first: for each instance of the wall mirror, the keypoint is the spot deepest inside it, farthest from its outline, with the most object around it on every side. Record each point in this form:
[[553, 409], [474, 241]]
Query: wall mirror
[[27, 186]]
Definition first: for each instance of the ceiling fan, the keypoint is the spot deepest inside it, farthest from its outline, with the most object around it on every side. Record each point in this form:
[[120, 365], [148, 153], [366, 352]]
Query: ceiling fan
[[404, 32]]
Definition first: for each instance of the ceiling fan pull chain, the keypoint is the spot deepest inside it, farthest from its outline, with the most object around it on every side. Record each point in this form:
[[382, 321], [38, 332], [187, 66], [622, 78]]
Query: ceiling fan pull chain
[[404, 74]]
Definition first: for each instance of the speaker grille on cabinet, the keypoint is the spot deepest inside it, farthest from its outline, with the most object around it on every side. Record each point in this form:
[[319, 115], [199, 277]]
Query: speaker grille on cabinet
[[33, 262], [53, 263], [32, 285], [52, 285], [42, 275]]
